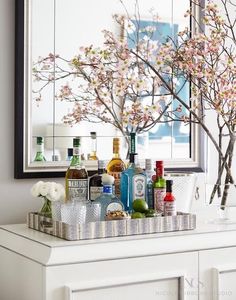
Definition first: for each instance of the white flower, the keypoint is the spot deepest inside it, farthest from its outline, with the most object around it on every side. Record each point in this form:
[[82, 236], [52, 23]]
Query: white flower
[[51, 190], [56, 192], [44, 189], [35, 190]]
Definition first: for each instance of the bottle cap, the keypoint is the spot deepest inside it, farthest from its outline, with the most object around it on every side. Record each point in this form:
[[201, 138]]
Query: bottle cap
[[76, 142], [101, 164], [70, 152], [107, 179], [159, 162], [116, 141], [39, 140], [93, 134], [148, 164], [169, 184]]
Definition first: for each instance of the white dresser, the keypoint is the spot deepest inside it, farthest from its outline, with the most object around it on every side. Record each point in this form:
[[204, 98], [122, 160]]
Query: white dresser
[[191, 265]]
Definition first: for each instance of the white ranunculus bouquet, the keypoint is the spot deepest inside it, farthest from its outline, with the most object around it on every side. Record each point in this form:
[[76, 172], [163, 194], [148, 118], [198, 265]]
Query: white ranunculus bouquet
[[50, 192]]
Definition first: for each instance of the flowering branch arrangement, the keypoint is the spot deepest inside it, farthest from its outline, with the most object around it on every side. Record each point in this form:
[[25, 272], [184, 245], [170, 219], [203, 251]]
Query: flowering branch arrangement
[[125, 86], [48, 191], [111, 84]]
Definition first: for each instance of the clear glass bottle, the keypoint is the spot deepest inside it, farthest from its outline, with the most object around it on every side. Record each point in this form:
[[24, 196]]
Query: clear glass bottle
[[76, 177], [95, 182], [39, 149], [133, 182], [108, 201], [116, 165], [93, 153], [149, 174], [159, 187]]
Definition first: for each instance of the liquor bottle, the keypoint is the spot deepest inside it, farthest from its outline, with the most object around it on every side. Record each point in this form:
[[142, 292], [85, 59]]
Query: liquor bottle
[[108, 201], [39, 149], [95, 182], [69, 154], [149, 174], [76, 177], [116, 165], [93, 154], [159, 187], [169, 200], [133, 180]]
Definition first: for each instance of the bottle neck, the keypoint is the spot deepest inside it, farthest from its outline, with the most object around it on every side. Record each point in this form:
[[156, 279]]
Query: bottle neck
[[116, 152], [76, 159], [93, 146], [101, 171], [160, 171], [40, 148], [107, 189]]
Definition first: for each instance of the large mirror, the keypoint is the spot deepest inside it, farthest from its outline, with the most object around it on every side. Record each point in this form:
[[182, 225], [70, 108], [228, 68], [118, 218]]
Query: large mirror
[[49, 28]]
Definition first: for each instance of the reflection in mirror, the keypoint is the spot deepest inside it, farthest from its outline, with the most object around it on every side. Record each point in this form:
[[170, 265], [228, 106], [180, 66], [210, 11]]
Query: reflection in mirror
[[61, 27]]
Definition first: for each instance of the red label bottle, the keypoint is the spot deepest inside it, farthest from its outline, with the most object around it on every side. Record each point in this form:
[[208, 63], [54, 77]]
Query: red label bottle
[[169, 200]]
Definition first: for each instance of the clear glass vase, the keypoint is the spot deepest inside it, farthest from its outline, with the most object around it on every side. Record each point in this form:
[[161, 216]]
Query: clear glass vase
[[221, 200], [46, 209]]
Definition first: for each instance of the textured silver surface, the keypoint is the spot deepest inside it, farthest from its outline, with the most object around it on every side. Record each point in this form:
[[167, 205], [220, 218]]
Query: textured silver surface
[[103, 229]]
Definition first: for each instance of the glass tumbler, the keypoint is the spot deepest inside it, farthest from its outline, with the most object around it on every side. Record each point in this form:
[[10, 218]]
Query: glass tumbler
[[93, 212], [73, 213]]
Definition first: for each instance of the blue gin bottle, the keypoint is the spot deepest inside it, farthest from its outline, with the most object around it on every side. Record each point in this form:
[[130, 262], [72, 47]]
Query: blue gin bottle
[[107, 200], [133, 183]]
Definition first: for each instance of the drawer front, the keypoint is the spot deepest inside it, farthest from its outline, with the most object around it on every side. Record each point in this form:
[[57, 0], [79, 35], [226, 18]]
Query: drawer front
[[164, 277], [218, 274]]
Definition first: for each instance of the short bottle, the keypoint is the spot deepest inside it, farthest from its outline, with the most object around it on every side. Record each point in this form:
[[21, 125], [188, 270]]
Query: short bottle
[[93, 152], [149, 174], [133, 182], [76, 177], [108, 201], [69, 154], [95, 181], [159, 187], [116, 165], [39, 149], [169, 200]]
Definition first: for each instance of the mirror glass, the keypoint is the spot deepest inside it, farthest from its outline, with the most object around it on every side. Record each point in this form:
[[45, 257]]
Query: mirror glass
[[61, 27]]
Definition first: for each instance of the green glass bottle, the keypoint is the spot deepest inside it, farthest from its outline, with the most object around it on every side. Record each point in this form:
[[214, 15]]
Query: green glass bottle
[[76, 177], [39, 149], [159, 187]]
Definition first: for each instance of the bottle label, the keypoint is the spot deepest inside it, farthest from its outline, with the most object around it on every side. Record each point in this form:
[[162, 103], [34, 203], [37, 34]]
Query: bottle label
[[95, 191], [39, 148], [78, 189], [114, 206], [159, 195], [139, 187], [116, 176], [169, 208], [76, 151]]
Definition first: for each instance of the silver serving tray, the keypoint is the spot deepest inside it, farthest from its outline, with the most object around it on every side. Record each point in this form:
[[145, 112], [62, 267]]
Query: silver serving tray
[[105, 229]]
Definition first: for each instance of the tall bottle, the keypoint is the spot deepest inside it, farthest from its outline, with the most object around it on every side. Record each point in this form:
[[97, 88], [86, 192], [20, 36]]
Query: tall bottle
[[116, 165], [149, 174], [159, 187], [108, 201], [169, 200], [76, 177], [133, 180], [93, 153], [39, 149], [95, 182]]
